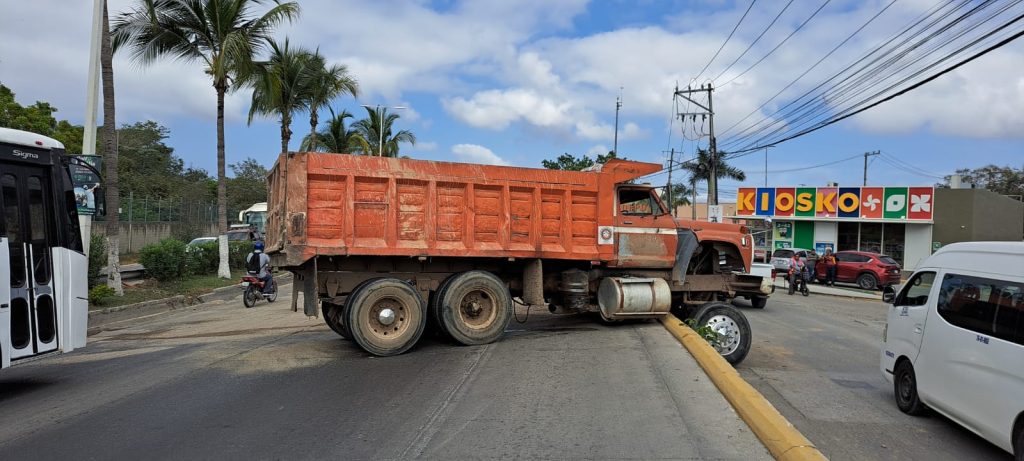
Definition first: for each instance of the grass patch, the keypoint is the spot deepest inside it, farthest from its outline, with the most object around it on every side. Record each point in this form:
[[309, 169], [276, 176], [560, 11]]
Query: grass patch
[[151, 289]]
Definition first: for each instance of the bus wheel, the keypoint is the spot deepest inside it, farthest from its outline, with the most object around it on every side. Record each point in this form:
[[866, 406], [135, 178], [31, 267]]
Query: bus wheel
[[385, 316], [476, 307]]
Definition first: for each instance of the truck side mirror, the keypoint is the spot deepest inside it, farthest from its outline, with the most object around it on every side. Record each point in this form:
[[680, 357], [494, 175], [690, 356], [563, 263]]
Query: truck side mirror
[[888, 294]]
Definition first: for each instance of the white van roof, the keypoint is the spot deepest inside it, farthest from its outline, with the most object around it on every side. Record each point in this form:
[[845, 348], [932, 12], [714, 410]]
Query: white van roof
[[27, 138], [993, 257]]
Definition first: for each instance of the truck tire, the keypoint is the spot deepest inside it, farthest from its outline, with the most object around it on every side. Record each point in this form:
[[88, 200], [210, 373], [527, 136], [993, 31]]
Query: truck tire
[[333, 318], [436, 321], [385, 316], [758, 302], [475, 308], [731, 325]]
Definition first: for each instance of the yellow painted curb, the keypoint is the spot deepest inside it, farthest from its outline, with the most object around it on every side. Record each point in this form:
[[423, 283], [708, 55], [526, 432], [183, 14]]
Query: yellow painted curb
[[776, 433]]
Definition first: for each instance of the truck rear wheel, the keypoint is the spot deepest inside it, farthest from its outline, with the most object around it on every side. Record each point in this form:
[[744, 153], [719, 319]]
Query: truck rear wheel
[[385, 316], [333, 318], [731, 328], [475, 308]]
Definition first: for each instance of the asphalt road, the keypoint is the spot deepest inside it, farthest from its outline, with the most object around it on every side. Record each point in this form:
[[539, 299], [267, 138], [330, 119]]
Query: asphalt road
[[224, 382], [816, 359]]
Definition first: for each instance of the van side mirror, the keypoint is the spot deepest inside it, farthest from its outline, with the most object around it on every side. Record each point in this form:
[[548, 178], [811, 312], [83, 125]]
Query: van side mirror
[[888, 294]]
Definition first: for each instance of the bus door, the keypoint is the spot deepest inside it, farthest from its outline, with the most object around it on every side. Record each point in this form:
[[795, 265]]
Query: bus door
[[29, 221]]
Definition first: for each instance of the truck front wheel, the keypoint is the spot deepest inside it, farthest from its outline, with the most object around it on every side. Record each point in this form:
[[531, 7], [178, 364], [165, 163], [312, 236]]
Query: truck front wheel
[[731, 332], [475, 308], [385, 316]]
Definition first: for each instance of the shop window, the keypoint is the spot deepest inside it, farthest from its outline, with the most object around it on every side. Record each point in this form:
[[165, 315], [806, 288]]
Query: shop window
[[892, 242], [871, 237], [847, 236]]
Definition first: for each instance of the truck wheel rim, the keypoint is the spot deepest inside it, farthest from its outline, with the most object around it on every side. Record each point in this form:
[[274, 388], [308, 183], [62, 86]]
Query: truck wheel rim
[[728, 334], [478, 309], [387, 319]]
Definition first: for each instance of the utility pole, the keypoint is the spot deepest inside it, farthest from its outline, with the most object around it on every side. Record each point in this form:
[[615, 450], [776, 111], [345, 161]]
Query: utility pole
[[618, 105], [866, 155], [712, 145], [668, 186]]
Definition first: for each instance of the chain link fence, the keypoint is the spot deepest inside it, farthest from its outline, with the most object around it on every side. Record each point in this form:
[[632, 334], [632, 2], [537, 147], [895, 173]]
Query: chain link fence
[[146, 220]]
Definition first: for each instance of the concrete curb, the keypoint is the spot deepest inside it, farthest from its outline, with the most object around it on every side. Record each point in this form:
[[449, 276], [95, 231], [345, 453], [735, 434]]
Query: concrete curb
[[777, 434], [780, 288], [172, 302]]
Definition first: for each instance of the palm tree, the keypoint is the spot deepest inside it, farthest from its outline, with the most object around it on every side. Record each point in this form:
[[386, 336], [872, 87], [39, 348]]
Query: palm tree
[[281, 86], [113, 199], [679, 194], [335, 137], [377, 126], [223, 35], [328, 82], [700, 170]]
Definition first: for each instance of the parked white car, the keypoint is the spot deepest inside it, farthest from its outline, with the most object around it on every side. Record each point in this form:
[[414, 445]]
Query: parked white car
[[954, 340], [782, 257]]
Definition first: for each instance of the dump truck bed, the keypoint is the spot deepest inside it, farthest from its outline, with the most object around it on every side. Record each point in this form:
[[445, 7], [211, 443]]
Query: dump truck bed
[[336, 204]]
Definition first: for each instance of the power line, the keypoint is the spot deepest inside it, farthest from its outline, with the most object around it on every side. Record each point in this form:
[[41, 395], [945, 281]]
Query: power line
[[747, 132], [847, 39], [791, 34], [850, 112], [752, 2], [753, 42], [790, 170], [866, 82]]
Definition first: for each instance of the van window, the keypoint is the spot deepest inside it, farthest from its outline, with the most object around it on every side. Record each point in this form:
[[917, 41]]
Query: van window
[[988, 306], [915, 293]]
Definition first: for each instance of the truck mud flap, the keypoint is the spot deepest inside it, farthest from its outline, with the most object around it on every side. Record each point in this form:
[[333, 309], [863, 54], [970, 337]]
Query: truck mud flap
[[686, 244]]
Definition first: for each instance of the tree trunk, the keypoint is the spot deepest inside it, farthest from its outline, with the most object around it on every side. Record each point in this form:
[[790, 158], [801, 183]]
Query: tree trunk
[[313, 122], [113, 198], [286, 133], [223, 270]]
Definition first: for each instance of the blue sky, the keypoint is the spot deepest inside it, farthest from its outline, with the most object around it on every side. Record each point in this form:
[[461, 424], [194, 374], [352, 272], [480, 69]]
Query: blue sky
[[515, 82]]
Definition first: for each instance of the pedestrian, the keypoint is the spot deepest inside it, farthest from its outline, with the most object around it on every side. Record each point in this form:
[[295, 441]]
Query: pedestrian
[[829, 260]]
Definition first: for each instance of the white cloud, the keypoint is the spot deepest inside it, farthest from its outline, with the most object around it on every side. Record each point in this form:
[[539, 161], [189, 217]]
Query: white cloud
[[496, 109], [474, 153], [599, 149], [426, 146]]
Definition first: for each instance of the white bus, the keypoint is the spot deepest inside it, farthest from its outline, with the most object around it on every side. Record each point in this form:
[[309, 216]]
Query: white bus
[[255, 216], [43, 277]]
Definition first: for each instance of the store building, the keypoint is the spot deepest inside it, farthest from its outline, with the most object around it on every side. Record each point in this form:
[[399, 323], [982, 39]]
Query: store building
[[907, 223]]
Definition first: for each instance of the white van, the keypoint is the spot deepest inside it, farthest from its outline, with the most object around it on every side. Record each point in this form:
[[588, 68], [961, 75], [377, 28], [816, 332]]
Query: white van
[[954, 340]]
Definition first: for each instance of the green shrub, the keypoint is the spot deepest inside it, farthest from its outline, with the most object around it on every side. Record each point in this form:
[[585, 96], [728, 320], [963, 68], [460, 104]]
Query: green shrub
[[97, 257], [237, 251], [100, 293], [165, 260], [202, 259]]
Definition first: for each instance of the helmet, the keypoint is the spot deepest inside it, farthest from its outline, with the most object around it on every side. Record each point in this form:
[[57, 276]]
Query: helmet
[[257, 246]]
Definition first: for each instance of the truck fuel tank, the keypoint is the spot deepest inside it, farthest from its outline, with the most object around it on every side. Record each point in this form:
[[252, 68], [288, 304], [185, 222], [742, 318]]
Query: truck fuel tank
[[632, 297]]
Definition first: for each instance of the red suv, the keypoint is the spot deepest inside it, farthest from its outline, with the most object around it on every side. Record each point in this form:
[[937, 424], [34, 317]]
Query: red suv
[[868, 270]]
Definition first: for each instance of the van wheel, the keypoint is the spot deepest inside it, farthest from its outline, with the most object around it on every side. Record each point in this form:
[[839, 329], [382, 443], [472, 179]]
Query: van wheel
[[385, 316], [1018, 450], [758, 302], [475, 308], [867, 282], [905, 387]]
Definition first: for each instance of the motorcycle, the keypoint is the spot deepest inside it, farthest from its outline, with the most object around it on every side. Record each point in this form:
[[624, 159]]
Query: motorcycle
[[254, 291], [800, 284]]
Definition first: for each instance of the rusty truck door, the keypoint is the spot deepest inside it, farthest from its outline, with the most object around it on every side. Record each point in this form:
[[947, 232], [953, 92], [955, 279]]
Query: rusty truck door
[[645, 234]]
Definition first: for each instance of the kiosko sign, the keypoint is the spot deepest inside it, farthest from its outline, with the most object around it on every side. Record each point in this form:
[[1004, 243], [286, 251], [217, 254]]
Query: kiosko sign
[[881, 203]]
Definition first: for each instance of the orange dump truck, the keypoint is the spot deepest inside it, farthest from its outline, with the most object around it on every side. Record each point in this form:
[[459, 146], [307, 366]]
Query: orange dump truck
[[382, 246]]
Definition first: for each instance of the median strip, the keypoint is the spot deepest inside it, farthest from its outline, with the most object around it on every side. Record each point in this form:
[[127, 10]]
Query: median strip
[[777, 434]]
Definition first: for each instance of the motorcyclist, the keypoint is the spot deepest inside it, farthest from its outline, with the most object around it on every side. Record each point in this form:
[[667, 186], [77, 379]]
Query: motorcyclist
[[257, 263], [796, 268]]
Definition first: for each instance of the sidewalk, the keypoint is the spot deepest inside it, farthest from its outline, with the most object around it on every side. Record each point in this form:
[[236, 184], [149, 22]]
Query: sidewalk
[[817, 289]]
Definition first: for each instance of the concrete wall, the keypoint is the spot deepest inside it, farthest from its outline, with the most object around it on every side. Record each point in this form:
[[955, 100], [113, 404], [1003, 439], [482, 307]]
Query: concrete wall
[[917, 245], [965, 215], [139, 234]]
